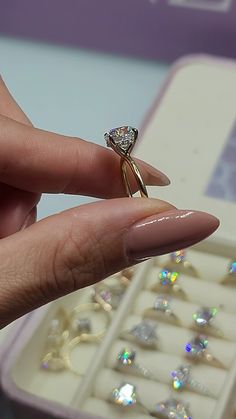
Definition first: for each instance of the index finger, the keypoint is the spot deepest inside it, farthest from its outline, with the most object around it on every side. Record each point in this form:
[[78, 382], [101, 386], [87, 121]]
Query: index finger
[[41, 161]]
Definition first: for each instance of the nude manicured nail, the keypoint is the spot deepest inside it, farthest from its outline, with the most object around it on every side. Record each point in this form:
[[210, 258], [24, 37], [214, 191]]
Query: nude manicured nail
[[168, 232], [156, 177]]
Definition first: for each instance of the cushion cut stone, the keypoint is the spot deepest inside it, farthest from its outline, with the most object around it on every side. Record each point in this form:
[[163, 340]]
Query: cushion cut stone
[[124, 137], [173, 409], [195, 347], [125, 395], [145, 332]]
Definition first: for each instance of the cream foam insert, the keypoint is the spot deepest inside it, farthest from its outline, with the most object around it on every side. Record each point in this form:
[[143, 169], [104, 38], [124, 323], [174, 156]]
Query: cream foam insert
[[90, 392]]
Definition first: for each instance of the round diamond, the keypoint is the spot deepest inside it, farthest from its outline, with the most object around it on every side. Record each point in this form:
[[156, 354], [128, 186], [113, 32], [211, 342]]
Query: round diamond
[[126, 356], [167, 277], [180, 377], [125, 395], [204, 316], [124, 137]]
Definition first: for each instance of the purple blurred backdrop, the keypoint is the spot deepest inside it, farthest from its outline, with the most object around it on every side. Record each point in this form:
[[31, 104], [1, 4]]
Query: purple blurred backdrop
[[143, 28]]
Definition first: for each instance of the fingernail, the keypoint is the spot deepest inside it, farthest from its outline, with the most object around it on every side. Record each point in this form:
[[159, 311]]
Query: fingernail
[[168, 232], [156, 177]]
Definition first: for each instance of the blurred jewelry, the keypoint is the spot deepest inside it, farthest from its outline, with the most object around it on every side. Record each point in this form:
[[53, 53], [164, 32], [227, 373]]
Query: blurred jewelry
[[57, 327], [230, 277], [196, 350], [126, 396], [168, 284], [84, 338], [58, 334], [143, 334], [204, 319], [162, 311], [108, 296], [126, 363], [53, 361], [122, 141], [81, 326], [178, 262], [181, 378], [172, 408]]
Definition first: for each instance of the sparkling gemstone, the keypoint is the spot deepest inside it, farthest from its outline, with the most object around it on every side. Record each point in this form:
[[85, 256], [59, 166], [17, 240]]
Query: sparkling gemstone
[[196, 346], [126, 356], [181, 376], [232, 269], [163, 304], [204, 316], [145, 332], [125, 395], [173, 409], [168, 277], [123, 137], [178, 257]]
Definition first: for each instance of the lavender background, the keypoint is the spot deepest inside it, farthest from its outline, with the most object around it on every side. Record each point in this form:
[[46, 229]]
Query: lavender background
[[223, 181], [156, 29]]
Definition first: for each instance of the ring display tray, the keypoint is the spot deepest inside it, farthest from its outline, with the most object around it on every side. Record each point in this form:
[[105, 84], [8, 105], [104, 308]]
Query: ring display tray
[[89, 394], [190, 134]]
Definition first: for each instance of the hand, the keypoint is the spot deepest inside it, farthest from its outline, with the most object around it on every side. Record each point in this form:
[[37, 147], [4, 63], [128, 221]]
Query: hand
[[64, 252]]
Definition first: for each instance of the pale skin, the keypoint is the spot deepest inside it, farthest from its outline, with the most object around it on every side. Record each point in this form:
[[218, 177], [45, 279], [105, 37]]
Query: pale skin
[[41, 261]]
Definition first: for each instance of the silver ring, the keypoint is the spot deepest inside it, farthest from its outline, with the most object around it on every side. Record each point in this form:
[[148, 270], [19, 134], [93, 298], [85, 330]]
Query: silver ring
[[178, 262], [197, 351], [181, 378], [162, 310], [168, 283], [126, 363], [172, 408], [204, 319]]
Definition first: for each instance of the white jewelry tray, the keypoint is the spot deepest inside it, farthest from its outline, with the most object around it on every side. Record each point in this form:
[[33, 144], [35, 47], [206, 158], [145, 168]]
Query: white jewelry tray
[[47, 393]]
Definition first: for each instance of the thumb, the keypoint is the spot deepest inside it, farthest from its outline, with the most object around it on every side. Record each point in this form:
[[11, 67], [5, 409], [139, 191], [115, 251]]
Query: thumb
[[83, 245]]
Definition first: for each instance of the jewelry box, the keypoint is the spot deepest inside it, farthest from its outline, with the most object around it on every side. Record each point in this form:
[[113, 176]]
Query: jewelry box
[[189, 134]]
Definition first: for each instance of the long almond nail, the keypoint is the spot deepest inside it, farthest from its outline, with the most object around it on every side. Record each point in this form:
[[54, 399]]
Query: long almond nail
[[167, 232], [156, 177]]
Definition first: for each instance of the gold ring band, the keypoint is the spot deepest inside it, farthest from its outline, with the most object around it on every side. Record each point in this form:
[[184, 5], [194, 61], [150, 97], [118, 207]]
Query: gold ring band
[[122, 141]]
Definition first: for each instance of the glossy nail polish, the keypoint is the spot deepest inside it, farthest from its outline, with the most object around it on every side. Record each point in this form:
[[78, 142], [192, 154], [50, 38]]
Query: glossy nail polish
[[169, 231]]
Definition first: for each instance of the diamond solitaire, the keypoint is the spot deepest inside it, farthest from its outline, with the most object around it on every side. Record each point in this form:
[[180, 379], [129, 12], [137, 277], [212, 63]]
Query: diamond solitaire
[[122, 137]]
